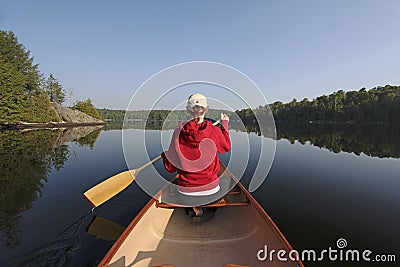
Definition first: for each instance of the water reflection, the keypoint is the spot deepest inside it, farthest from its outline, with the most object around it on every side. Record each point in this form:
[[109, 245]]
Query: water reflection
[[381, 141], [26, 159], [356, 196]]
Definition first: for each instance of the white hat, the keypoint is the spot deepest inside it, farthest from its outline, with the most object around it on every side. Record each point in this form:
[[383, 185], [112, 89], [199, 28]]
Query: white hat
[[197, 100]]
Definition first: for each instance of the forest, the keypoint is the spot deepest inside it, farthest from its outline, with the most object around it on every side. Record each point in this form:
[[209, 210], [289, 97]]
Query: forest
[[379, 105]]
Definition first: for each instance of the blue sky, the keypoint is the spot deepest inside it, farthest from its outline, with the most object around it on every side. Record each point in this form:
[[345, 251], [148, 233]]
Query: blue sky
[[291, 49]]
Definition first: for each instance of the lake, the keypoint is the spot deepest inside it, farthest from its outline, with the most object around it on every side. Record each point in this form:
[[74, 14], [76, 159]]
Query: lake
[[327, 182]]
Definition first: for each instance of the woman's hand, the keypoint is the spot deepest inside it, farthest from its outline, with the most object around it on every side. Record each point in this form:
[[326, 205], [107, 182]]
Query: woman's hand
[[224, 117]]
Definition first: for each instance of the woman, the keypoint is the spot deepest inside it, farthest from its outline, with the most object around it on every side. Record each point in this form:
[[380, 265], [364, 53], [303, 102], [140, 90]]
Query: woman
[[194, 149]]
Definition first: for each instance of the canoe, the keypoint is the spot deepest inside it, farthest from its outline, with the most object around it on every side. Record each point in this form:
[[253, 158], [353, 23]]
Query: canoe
[[240, 234]]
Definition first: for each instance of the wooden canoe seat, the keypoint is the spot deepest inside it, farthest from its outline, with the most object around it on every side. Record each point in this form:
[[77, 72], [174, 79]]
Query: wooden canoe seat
[[222, 203], [235, 197]]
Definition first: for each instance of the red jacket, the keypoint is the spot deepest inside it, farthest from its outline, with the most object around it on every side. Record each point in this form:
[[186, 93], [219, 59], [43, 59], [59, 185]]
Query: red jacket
[[193, 154]]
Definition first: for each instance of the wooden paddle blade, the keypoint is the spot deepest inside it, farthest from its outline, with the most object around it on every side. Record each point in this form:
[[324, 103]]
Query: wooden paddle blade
[[102, 192], [104, 229]]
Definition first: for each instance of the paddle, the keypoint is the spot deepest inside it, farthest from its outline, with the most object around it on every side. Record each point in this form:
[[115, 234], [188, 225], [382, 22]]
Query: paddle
[[104, 229], [107, 189]]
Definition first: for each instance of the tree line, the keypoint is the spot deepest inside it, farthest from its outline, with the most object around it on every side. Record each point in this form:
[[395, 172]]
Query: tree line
[[378, 105], [161, 115], [25, 92]]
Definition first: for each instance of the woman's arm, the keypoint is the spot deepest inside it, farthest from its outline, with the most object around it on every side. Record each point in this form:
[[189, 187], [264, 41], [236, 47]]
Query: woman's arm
[[223, 139], [167, 164], [169, 155]]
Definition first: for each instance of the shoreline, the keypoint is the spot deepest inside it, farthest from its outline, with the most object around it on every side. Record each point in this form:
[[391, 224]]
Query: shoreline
[[47, 125]]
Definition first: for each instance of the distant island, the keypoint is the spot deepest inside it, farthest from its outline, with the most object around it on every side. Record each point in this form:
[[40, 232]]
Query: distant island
[[28, 99]]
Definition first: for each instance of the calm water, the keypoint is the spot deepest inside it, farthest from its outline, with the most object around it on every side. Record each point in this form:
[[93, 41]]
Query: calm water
[[335, 182]]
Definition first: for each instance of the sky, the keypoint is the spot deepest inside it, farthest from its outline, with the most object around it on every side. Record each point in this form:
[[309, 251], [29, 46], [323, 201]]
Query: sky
[[105, 50]]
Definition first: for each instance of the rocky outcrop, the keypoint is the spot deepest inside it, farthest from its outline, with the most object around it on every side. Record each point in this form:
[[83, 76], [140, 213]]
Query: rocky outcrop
[[71, 116], [67, 118]]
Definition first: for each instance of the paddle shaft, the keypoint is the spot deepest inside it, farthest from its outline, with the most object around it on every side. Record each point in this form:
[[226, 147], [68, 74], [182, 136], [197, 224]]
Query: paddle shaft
[[147, 164]]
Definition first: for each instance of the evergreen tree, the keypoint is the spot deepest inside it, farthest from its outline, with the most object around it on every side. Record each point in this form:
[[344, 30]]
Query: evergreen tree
[[20, 92], [13, 100], [54, 90]]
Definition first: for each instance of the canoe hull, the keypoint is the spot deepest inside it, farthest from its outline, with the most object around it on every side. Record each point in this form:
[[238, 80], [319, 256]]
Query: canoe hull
[[167, 236]]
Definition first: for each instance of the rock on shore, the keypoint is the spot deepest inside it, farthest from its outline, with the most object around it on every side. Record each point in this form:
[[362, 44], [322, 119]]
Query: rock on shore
[[71, 116], [66, 118]]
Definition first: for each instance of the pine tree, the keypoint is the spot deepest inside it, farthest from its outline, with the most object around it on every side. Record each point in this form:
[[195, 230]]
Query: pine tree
[[20, 92], [54, 90], [12, 97]]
